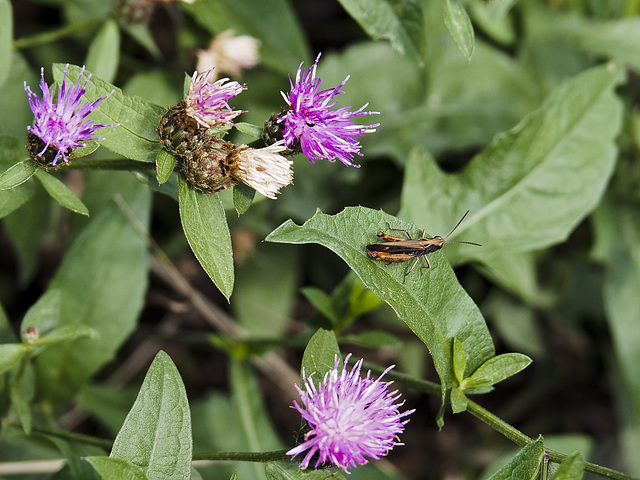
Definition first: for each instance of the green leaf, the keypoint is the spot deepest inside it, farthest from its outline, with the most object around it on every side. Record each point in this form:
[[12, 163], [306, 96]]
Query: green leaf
[[433, 305], [156, 435], [66, 333], [61, 193], [17, 174], [135, 137], [116, 469], [253, 131], [459, 360], [103, 55], [321, 302], [75, 455], [242, 197], [398, 21], [320, 355], [205, 225], [571, 468], [6, 39], [459, 25], [108, 302], [373, 339], [11, 354], [459, 400], [496, 369], [283, 44], [291, 471], [559, 158], [525, 465], [22, 390], [165, 163]]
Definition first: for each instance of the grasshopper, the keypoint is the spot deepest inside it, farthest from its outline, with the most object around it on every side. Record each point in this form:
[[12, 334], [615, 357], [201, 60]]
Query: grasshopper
[[396, 249]]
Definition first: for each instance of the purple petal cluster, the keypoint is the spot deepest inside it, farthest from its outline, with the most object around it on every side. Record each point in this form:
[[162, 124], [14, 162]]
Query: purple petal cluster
[[207, 102], [350, 418], [61, 124], [323, 133]]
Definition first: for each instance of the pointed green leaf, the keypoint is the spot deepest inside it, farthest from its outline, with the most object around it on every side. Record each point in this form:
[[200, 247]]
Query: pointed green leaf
[[572, 468], [116, 469], [10, 355], [459, 360], [559, 159], [11, 152], [398, 21], [165, 163], [61, 193], [459, 25], [252, 131], [135, 137], [497, 369], [242, 197], [17, 174], [66, 333], [205, 225], [525, 465], [433, 305], [320, 355], [373, 339], [459, 400], [6, 39], [291, 471], [103, 56], [321, 302], [22, 390], [156, 435]]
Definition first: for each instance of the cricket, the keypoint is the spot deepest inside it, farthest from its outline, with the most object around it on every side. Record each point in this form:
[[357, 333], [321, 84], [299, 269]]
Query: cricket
[[397, 249]]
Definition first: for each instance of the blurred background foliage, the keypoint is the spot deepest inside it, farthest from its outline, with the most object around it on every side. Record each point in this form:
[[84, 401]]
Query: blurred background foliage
[[571, 303]]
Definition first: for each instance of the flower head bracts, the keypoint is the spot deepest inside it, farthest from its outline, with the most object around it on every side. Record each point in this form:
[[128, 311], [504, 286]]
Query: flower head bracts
[[350, 418], [206, 102], [322, 133], [62, 125]]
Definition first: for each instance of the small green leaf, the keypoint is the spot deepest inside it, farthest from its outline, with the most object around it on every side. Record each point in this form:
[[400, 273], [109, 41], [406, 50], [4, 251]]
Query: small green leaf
[[116, 469], [321, 302], [21, 394], [17, 174], [459, 360], [459, 25], [67, 333], [205, 225], [497, 369], [103, 56], [6, 39], [572, 468], [156, 435], [135, 135], [253, 131], [10, 355], [61, 193], [242, 197], [525, 465], [398, 21], [291, 471], [459, 400], [372, 339], [165, 164], [320, 355]]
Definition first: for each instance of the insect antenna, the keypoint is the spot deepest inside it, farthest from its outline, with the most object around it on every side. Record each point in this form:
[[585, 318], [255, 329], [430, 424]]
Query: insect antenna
[[454, 229]]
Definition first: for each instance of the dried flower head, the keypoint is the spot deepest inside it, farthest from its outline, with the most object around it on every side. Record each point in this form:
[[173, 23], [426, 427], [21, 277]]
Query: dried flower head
[[207, 102], [350, 418], [60, 125], [229, 53], [310, 122]]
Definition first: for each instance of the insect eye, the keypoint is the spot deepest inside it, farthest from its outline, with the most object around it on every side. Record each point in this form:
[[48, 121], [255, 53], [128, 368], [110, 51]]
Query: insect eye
[[380, 234]]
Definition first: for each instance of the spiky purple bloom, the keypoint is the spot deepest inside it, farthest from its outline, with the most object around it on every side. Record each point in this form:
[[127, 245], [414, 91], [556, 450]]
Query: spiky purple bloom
[[207, 102], [350, 418], [323, 133], [62, 125]]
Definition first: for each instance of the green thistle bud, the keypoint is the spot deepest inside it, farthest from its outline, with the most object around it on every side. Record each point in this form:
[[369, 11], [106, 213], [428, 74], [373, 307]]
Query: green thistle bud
[[273, 132]]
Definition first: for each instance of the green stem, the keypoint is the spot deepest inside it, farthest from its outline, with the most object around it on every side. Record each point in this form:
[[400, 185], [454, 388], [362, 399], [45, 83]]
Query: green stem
[[243, 456], [75, 437], [53, 35], [119, 164]]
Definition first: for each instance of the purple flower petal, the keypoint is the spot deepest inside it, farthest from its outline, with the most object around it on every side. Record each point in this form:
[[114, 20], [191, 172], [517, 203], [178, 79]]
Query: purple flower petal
[[323, 133], [207, 101]]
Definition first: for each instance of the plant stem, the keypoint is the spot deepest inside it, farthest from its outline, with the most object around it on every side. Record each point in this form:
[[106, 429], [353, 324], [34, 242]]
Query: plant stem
[[242, 456], [75, 437], [53, 35], [118, 164]]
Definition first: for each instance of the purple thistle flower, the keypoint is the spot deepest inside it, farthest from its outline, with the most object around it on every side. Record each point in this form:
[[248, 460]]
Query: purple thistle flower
[[207, 102], [322, 132], [350, 418], [62, 125]]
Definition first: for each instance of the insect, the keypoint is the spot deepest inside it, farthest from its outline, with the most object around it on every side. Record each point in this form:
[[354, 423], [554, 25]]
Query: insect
[[399, 249]]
